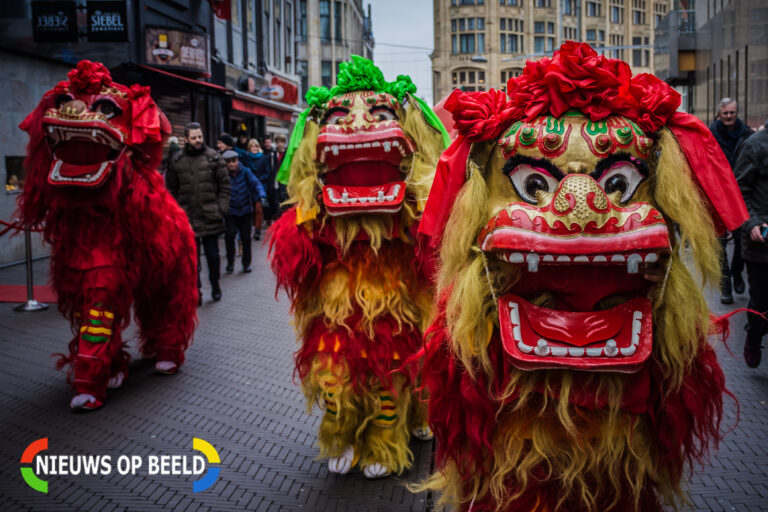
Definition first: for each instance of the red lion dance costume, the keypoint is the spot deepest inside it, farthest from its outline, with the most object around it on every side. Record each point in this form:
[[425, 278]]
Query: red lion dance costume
[[568, 366], [118, 238], [361, 161]]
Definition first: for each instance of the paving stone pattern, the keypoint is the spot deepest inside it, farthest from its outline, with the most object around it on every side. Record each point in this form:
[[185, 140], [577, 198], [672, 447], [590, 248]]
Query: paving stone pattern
[[236, 391]]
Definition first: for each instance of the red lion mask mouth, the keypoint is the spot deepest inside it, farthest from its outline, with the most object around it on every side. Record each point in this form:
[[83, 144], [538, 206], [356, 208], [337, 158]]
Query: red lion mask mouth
[[363, 145], [586, 254]]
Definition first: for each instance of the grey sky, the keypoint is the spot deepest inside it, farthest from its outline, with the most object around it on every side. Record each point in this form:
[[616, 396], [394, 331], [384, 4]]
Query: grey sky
[[404, 23]]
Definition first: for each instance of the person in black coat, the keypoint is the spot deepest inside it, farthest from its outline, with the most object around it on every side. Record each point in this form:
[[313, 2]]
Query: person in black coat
[[730, 131], [752, 175]]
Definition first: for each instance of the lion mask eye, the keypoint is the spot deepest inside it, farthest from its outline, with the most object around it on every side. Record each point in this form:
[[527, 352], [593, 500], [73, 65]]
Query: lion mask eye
[[529, 180], [106, 107], [623, 178]]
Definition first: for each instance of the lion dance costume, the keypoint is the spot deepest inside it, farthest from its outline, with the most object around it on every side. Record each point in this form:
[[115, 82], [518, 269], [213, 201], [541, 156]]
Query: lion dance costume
[[359, 167], [568, 366], [118, 238]]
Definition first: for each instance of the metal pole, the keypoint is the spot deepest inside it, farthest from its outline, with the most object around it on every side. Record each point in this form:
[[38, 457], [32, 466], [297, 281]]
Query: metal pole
[[31, 304]]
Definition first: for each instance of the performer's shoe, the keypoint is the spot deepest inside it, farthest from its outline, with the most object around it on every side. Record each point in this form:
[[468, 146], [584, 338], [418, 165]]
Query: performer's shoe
[[343, 463], [423, 433], [726, 298], [116, 380], [85, 402], [376, 470], [738, 284], [166, 367]]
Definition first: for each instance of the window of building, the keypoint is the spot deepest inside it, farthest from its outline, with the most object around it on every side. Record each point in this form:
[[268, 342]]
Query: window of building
[[453, 25], [512, 3], [454, 44], [591, 34], [503, 24], [550, 28], [617, 14], [325, 21], [480, 23], [302, 68], [481, 43], [538, 44], [550, 44], [538, 27], [289, 37], [594, 8], [513, 44], [503, 43], [601, 35], [326, 73], [569, 8], [638, 12], [337, 24], [237, 35], [470, 23], [278, 61], [462, 24], [467, 2], [250, 28], [469, 80], [543, 3], [303, 20], [467, 43]]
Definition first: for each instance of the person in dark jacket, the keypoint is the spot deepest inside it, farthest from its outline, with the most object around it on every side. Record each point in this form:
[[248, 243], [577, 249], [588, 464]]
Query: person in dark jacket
[[197, 177], [752, 175], [730, 131], [246, 190]]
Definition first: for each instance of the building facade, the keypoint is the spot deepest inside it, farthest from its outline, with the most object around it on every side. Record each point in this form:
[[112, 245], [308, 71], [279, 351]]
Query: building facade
[[480, 44], [711, 50], [329, 32]]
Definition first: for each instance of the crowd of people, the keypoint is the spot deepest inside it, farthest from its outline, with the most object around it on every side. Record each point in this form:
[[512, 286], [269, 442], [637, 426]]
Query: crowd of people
[[747, 153], [228, 190]]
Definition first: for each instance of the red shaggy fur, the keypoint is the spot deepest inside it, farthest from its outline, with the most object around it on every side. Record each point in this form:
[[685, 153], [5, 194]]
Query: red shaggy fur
[[137, 221]]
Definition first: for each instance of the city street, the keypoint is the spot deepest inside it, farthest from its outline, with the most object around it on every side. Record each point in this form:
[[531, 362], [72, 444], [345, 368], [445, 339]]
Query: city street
[[236, 392]]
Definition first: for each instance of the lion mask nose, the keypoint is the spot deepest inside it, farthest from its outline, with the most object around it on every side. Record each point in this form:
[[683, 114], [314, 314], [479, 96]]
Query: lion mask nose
[[580, 195], [73, 108]]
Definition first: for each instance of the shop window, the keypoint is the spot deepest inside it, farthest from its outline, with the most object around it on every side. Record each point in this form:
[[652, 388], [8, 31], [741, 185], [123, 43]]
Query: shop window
[[14, 174]]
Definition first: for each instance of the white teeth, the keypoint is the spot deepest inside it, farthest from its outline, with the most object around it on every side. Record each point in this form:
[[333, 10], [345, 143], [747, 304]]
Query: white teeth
[[516, 257], [367, 145], [575, 351], [533, 262], [630, 350], [380, 196], [617, 258], [358, 146], [527, 349], [93, 133], [514, 316], [50, 129], [352, 199], [563, 259], [610, 348], [581, 259], [599, 259], [542, 348], [633, 263], [389, 198], [344, 198], [395, 143], [375, 144], [637, 326], [559, 351], [396, 190], [547, 258], [387, 147], [594, 352], [651, 257], [327, 149], [335, 150]]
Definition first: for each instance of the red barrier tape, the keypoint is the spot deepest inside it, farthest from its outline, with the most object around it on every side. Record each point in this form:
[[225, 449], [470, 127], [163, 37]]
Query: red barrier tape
[[14, 225]]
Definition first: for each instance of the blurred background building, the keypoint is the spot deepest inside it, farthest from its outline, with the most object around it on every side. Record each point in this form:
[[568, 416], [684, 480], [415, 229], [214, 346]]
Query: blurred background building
[[712, 49], [480, 44]]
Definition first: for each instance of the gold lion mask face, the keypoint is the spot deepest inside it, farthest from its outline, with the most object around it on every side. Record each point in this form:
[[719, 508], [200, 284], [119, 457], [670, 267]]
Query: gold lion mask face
[[572, 210]]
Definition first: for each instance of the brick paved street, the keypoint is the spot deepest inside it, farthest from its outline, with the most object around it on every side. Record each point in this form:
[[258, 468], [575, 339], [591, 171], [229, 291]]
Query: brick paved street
[[236, 392]]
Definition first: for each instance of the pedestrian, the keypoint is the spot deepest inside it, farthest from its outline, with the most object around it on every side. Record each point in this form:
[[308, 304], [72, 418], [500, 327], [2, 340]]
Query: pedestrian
[[173, 147], [225, 142], [197, 177], [245, 191], [729, 131], [258, 163], [242, 138], [281, 191], [269, 184], [752, 175]]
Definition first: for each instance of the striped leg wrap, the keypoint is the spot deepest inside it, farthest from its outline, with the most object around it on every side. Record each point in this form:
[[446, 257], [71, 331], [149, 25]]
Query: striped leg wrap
[[96, 327], [388, 416]]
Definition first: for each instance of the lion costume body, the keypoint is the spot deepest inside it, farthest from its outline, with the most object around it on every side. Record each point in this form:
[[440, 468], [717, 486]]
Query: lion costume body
[[361, 161], [560, 377], [118, 238]]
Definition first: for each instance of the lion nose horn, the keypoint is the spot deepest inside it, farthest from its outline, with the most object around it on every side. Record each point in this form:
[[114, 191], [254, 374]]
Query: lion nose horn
[[73, 108], [581, 196]]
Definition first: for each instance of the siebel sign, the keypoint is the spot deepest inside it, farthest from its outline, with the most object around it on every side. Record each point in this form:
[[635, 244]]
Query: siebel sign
[[107, 21], [54, 22]]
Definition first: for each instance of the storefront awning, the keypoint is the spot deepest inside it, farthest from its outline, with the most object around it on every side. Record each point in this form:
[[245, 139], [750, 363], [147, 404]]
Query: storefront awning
[[207, 85], [263, 107]]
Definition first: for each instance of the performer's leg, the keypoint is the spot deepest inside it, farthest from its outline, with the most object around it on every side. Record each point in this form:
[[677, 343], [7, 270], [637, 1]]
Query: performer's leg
[[336, 435], [98, 347], [386, 437]]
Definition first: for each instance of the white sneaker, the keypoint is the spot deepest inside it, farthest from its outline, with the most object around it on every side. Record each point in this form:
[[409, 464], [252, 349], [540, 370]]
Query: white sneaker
[[343, 463], [423, 433], [116, 380], [166, 367], [376, 470]]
